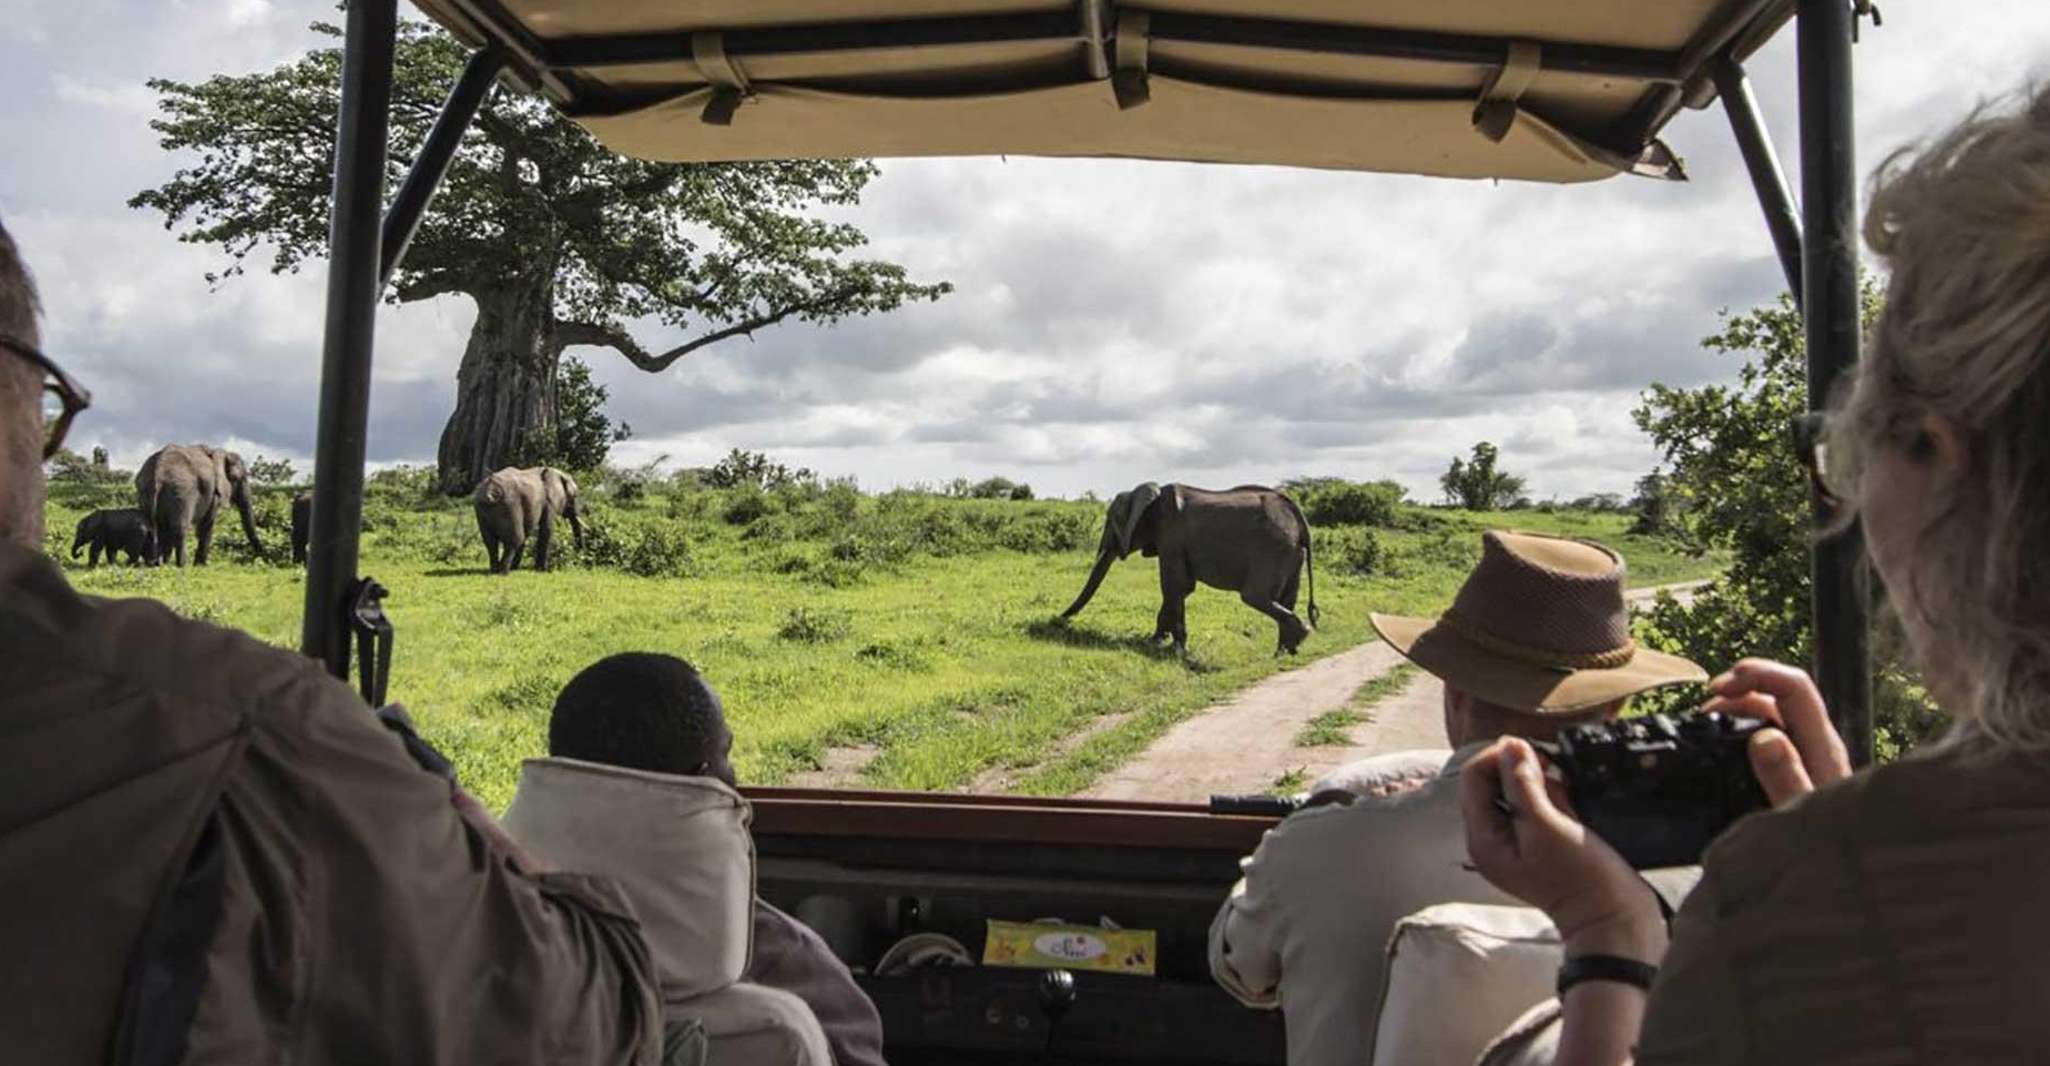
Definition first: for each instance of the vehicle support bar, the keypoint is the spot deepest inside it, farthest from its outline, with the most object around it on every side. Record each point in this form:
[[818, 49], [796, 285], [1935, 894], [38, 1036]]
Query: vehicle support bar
[[1774, 197], [353, 286], [436, 153], [1830, 310]]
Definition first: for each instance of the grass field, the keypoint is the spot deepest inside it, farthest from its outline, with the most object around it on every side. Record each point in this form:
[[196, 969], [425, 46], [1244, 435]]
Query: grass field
[[921, 626]]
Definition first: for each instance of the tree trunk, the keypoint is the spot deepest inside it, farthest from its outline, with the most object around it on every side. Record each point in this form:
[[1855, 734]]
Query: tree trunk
[[506, 386]]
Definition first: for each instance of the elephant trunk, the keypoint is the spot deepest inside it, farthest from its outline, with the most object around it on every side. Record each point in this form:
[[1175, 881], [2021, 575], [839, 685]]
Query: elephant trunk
[[84, 531], [1103, 560], [576, 529], [248, 520]]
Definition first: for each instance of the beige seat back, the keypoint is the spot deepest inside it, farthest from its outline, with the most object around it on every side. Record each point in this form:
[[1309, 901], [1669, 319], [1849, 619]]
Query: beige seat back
[[679, 846], [1457, 975]]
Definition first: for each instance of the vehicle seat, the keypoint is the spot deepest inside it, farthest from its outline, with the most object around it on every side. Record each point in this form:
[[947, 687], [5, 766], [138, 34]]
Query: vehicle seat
[[681, 849], [1457, 974]]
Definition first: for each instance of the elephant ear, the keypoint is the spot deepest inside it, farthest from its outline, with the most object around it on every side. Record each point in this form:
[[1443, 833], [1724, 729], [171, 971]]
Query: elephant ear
[[1136, 502]]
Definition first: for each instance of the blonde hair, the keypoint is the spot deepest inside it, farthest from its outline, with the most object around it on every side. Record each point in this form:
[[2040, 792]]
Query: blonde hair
[[1964, 225]]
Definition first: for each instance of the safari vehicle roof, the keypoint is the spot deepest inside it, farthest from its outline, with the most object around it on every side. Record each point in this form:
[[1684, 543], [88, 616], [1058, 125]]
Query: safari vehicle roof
[[1544, 90]]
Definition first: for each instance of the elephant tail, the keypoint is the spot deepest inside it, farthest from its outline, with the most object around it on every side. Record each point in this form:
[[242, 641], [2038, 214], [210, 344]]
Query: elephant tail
[[1309, 555]]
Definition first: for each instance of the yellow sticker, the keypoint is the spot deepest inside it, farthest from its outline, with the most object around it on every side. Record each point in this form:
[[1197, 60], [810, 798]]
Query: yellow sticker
[[1051, 946]]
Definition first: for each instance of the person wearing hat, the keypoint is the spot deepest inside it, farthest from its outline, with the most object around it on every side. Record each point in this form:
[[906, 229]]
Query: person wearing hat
[[1537, 639]]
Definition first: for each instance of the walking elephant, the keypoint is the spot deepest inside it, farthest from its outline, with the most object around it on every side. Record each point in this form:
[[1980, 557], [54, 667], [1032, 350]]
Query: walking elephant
[[1251, 540], [183, 487], [122, 529], [514, 505]]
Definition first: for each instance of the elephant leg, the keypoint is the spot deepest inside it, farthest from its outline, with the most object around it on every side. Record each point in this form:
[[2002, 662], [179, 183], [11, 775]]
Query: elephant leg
[[544, 538], [1175, 586], [202, 539], [92, 554], [515, 547], [1292, 628]]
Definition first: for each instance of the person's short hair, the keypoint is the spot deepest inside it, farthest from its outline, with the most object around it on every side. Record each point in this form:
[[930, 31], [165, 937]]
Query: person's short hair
[[19, 304], [639, 710], [1963, 226]]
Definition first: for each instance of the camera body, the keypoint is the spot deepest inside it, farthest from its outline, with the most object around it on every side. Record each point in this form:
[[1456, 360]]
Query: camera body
[[1660, 788]]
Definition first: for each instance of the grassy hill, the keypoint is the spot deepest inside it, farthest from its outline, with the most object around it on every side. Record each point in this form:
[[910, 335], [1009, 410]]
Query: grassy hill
[[919, 626]]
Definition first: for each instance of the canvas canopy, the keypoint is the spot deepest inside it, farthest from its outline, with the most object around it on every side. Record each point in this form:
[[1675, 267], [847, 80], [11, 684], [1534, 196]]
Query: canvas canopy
[[1544, 90]]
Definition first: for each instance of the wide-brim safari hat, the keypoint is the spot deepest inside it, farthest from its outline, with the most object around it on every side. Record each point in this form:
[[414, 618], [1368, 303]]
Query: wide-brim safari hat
[[1540, 626]]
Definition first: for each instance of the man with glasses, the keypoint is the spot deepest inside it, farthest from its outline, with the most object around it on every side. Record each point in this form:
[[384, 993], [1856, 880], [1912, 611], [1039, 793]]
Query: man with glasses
[[210, 850]]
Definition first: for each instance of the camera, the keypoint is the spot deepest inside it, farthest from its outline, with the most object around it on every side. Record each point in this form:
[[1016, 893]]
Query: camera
[[1662, 787]]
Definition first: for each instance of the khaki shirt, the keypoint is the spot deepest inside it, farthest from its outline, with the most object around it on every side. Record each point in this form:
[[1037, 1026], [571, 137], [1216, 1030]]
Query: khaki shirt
[[1307, 928], [1900, 917], [356, 917]]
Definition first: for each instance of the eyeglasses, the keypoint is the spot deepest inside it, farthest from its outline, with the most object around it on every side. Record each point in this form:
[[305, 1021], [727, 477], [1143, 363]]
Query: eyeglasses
[[63, 397], [1811, 445]]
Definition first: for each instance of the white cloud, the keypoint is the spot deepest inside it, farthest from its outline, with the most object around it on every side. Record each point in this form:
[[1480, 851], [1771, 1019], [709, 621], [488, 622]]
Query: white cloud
[[1114, 321]]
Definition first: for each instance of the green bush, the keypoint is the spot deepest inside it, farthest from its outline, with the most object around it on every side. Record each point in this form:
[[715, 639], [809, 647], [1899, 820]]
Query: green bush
[[745, 504], [809, 625], [1352, 503], [644, 549]]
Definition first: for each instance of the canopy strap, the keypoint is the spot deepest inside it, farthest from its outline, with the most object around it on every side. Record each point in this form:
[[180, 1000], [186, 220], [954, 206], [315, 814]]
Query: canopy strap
[[1129, 80], [1496, 111], [729, 85]]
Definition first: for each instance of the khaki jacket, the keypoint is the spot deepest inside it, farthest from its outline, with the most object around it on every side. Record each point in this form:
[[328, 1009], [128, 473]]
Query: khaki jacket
[[1901, 917], [1307, 928], [331, 906]]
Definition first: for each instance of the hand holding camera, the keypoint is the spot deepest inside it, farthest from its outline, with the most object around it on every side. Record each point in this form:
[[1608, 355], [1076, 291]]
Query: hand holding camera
[[1523, 836]]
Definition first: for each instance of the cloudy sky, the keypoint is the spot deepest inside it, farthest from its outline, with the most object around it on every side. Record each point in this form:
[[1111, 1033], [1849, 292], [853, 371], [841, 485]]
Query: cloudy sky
[[1112, 322]]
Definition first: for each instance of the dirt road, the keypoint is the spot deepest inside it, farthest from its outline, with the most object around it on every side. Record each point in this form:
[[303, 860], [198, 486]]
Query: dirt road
[[1247, 743]]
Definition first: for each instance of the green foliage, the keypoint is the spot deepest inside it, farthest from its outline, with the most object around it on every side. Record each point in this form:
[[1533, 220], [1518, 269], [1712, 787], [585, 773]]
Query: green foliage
[[644, 549], [990, 488], [810, 625], [753, 469], [1336, 502], [1477, 485], [1348, 550], [531, 206], [267, 471], [1733, 484], [69, 466]]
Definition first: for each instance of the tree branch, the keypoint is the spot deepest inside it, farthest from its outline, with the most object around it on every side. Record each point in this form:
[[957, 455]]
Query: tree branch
[[569, 333]]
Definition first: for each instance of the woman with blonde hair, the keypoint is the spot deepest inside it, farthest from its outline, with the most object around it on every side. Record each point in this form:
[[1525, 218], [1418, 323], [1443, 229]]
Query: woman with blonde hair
[[1900, 914]]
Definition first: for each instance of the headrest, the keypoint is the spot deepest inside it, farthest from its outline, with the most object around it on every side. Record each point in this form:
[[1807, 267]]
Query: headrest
[[678, 845], [1458, 973]]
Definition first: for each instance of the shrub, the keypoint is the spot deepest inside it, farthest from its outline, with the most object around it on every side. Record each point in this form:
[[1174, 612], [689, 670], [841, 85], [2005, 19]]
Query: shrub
[[745, 504], [644, 549], [814, 625], [741, 468], [1352, 503]]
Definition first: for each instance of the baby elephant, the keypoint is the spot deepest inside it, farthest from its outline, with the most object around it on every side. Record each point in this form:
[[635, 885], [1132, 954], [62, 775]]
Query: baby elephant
[[122, 529]]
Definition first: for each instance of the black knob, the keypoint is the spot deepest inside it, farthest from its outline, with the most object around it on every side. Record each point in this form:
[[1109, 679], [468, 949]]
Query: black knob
[[1056, 993]]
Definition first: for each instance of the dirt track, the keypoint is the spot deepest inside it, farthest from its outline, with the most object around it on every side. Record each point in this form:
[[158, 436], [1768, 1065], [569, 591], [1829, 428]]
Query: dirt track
[[1247, 743]]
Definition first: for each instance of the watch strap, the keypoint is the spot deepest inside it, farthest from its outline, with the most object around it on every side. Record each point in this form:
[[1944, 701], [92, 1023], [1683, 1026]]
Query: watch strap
[[1605, 968]]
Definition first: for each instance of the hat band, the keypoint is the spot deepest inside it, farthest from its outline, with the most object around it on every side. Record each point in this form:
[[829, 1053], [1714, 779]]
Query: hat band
[[1565, 660]]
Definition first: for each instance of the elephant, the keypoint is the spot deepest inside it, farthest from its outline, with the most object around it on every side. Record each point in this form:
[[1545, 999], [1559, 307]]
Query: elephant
[[302, 525], [515, 504], [1252, 540], [183, 486], [121, 529]]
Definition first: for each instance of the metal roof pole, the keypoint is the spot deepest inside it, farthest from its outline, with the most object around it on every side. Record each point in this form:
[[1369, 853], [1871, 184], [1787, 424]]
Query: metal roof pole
[[436, 153], [353, 285], [1829, 281], [1767, 179]]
